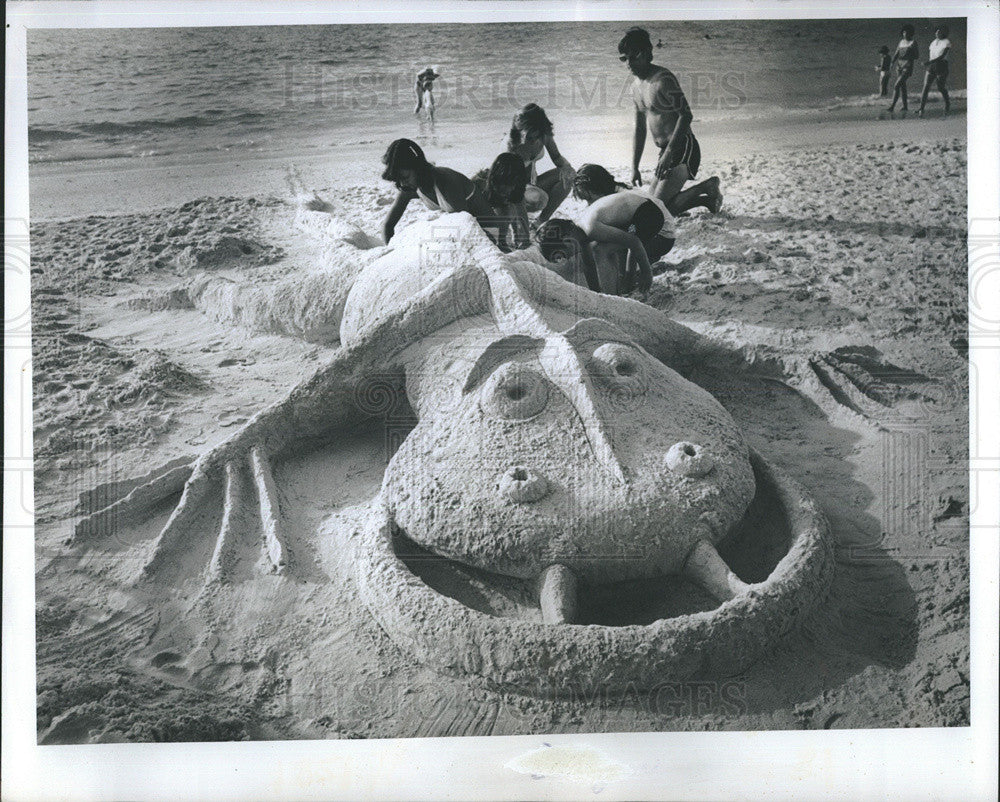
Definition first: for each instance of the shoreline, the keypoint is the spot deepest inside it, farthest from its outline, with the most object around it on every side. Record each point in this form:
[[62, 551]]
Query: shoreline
[[69, 190]]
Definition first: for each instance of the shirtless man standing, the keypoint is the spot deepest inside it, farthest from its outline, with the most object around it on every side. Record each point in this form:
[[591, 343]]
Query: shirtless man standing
[[660, 104]]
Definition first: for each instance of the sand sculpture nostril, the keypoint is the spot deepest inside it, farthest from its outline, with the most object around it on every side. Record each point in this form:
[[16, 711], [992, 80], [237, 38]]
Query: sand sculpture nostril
[[523, 485], [688, 459]]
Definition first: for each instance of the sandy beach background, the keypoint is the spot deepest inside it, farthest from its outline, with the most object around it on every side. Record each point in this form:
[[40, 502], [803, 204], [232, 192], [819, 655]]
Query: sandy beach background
[[837, 267]]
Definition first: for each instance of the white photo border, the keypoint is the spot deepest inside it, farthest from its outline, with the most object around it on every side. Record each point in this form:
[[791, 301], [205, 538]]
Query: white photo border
[[911, 764]]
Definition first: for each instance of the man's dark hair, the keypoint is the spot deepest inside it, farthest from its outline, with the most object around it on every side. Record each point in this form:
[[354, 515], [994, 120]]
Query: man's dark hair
[[635, 40], [944, 30], [908, 29]]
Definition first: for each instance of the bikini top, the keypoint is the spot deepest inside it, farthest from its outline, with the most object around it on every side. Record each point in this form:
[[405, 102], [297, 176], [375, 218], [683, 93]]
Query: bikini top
[[529, 163], [438, 203]]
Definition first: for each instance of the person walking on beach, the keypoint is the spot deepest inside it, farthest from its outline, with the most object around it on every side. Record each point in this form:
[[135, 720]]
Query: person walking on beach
[[883, 70], [661, 106], [424, 89], [904, 58], [937, 68], [530, 138], [440, 188]]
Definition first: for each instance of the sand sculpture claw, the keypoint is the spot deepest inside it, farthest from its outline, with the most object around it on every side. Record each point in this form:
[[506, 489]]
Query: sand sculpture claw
[[131, 504], [258, 467]]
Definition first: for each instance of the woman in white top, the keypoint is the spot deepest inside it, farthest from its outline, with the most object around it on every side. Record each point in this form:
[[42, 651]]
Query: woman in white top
[[937, 68], [530, 138]]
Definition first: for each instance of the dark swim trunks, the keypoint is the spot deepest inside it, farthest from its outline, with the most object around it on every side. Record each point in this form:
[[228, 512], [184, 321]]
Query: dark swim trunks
[[689, 155], [647, 222], [939, 69]]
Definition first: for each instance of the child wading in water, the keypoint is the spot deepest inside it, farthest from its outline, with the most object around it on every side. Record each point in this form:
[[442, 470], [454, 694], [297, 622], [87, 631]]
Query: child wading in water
[[883, 70], [439, 188], [904, 57], [424, 89], [627, 218]]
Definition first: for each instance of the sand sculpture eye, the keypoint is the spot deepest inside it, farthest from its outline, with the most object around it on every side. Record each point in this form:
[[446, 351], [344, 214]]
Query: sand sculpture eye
[[616, 361], [515, 391], [619, 367]]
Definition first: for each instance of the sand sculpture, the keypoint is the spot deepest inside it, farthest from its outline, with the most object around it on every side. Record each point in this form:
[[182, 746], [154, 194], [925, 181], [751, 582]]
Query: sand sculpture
[[554, 447]]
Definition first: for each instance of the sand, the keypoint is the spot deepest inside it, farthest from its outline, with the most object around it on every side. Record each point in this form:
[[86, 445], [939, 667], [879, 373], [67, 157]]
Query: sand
[[837, 268]]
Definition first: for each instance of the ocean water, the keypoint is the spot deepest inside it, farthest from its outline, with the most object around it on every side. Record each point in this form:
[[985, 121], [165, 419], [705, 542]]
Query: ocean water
[[140, 93]]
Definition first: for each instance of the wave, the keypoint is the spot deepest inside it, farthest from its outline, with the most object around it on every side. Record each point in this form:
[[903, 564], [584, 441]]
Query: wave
[[105, 130], [867, 101], [58, 158], [42, 134]]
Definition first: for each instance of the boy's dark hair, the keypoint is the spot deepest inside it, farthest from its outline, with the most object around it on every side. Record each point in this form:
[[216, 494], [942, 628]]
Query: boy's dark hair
[[944, 30], [507, 168], [532, 119], [557, 237], [883, 49], [908, 29], [594, 178], [635, 40], [403, 154]]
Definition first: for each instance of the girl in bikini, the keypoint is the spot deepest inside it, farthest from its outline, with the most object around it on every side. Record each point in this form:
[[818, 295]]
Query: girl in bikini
[[440, 188], [529, 138]]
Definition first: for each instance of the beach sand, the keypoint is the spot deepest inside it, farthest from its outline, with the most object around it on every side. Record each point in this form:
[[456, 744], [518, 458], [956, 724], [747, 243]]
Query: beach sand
[[837, 266]]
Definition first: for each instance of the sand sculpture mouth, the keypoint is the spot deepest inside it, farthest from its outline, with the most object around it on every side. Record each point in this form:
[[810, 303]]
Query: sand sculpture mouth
[[463, 622]]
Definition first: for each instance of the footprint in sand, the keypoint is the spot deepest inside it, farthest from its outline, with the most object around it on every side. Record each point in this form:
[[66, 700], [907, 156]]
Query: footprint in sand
[[230, 418], [164, 658], [229, 362]]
